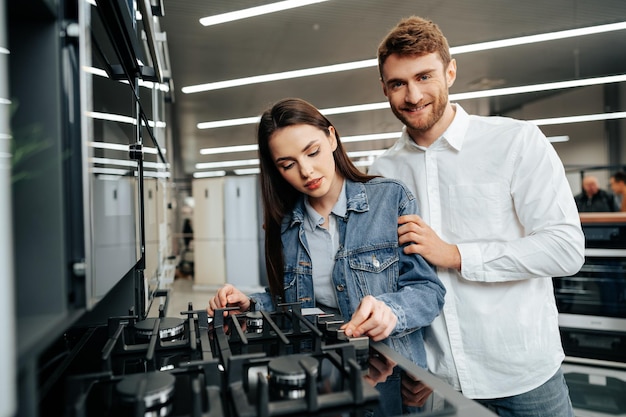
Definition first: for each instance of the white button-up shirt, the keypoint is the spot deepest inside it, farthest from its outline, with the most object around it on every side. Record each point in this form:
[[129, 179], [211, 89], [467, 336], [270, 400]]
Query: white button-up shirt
[[496, 188]]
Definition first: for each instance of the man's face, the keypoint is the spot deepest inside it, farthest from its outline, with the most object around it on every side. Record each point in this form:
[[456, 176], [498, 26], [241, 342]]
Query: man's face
[[618, 187], [590, 185], [417, 89]]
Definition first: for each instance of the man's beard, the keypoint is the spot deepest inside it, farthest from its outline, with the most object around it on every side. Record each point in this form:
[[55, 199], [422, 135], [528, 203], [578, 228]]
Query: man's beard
[[438, 108]]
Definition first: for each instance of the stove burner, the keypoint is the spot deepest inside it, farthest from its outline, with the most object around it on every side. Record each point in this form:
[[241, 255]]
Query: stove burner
[[169, 327], [254, 322], [155, 388], [288, 377]]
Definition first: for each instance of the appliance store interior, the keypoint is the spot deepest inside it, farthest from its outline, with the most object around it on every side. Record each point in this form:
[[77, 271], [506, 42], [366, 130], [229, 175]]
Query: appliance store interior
[[130, 193]]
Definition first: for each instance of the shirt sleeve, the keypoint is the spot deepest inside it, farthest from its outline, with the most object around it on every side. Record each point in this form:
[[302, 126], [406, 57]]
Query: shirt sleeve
[[553, 241]]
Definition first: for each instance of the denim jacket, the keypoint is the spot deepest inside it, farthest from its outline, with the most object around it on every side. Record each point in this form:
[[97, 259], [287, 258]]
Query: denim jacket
[[369, 261]]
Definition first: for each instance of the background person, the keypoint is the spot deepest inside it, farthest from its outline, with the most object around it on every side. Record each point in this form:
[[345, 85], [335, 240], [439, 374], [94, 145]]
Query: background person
[[331, 236], [593, 198], [499, 220], [618, 186]]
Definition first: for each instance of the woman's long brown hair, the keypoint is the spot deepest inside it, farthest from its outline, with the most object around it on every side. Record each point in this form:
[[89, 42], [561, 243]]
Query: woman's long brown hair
[[278, 196]]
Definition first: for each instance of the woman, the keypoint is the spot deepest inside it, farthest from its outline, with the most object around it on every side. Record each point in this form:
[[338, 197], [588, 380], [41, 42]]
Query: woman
[[331, 236]]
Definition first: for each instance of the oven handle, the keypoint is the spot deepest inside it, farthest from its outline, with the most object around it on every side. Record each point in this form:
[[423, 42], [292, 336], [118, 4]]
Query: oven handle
[[605, 252]]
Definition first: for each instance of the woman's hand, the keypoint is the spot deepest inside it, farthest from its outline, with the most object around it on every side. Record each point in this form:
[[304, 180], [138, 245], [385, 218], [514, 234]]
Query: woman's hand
[[373, 318], [228, 296]]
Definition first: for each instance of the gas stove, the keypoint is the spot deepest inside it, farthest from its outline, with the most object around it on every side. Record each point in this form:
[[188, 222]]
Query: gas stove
[[291, 362]]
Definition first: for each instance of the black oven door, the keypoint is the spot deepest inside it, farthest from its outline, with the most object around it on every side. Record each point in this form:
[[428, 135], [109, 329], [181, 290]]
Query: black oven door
[[592, 307]]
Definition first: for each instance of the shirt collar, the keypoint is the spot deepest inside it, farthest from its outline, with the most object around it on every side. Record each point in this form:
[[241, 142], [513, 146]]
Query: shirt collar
[[314, 219]]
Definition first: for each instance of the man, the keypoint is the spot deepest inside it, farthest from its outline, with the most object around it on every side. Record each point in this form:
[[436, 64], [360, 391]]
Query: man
[[618, 186], [593, 198], [498, 221]]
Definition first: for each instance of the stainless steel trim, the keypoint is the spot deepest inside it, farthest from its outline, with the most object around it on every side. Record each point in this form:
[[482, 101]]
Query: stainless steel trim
[[580, 321], [572, 361], [598, 252]]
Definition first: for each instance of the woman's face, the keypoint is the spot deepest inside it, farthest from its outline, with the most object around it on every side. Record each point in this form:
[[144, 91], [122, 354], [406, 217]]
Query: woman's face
[[303, 154]]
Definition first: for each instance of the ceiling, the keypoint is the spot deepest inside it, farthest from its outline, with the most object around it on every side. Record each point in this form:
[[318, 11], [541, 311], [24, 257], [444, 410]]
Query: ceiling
[[339, 31]]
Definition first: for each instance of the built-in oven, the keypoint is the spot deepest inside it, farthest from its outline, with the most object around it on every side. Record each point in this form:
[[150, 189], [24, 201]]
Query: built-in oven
[[592, 320]]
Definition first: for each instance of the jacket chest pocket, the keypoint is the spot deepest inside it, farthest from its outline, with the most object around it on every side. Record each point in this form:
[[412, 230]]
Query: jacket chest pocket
[[376, 271]]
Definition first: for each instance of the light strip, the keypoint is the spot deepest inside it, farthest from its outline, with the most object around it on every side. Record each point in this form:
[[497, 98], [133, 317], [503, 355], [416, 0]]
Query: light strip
[[147, 84], [5, 101], [578, 119], [228, 149], [126, 163], [209, 174], [4, 50], [362, 154], [538, 87], [226, 164], [121, 118], [247, 171], [257, 79], [456, 50], [255, 11], [229, 122], [453, 97], [120, 147], [373, 136], [109, 171]]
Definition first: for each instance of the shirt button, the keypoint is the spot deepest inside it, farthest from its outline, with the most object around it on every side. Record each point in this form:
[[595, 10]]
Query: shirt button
[[340, 287]]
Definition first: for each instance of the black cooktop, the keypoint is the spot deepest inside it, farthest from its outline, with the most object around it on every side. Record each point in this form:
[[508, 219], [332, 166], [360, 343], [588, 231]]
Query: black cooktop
[[285, 363]]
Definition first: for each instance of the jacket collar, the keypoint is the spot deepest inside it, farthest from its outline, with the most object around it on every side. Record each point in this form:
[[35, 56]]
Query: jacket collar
[[356, 200]]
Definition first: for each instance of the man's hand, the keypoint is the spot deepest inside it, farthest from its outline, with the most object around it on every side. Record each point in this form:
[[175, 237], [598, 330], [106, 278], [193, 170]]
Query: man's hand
[[413, 229], [372, 318], [228, 296]]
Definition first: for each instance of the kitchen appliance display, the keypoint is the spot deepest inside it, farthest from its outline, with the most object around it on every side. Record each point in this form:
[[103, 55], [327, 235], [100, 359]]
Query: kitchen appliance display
[[592, 319], [283, 363], [592, 302]]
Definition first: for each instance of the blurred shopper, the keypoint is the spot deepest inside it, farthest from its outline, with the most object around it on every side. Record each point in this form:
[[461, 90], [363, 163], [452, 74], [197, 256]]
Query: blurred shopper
[[593, 198], [187, 233], [618, 186], [331, 236], [498, 220]]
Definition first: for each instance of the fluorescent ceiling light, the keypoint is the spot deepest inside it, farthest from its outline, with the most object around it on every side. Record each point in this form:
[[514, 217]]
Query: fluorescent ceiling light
[[556, 139], [226, 164], [209, 174], [127, 163], [257, 79], [453, 97], [256, 11], [373, 136], [120, 147], [121, 118], [228, 149], [4, 50], [456, 50], [4, 100], [230, 122], [578, 119], [363, 154], [247, 171]]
